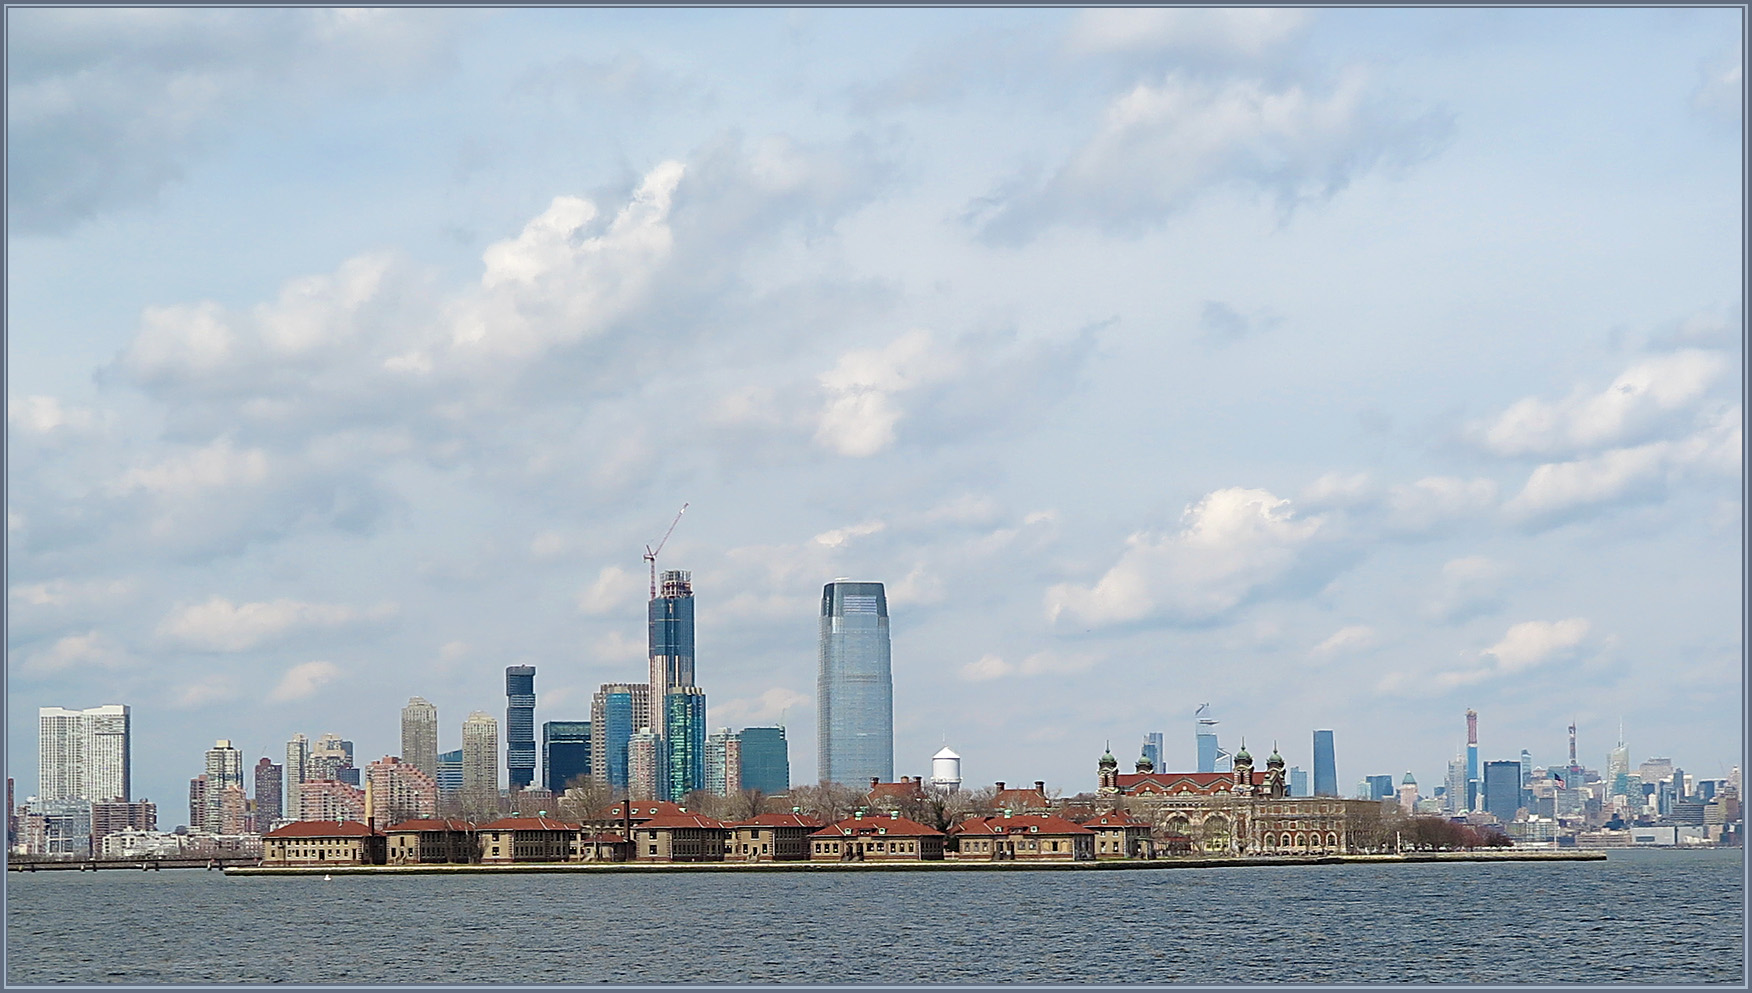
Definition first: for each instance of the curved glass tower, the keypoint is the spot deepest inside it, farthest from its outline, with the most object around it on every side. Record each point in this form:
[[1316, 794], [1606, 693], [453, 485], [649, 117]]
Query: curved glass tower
[[854, 688]]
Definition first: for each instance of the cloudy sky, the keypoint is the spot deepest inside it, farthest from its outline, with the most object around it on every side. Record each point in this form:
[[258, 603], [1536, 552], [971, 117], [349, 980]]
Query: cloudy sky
[[1341, 369]]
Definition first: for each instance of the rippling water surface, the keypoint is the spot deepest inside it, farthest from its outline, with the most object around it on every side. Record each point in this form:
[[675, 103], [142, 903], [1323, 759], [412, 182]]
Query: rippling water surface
[[1642, 917]]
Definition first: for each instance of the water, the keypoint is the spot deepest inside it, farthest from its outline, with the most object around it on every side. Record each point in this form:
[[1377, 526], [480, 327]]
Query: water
[[1642, 917]]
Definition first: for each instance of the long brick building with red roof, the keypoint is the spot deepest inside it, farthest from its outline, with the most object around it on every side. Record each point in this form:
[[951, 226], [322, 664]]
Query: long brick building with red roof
[[876, 839]]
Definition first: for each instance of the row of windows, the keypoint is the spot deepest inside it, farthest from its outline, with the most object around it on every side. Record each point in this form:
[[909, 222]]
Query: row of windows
[[901, 847]]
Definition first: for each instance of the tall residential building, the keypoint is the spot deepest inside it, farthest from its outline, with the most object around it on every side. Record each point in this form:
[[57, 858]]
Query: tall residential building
[[331, 757], [1325, 765], [297, 762], [565, 753], [480, 755], [854, 689], [766, 760], [684, 742], [1502, 789], [723, 762], [400, 791], [617, 711], [1456, 786], [109, 817], [644, 765], [84, 754], [671, 637], [234, 814], [224, 769], [450, 772], [331, 800], [1472, 780], [1153, 749], [198, 802], [520, 726], [268, 777], [419, 735]]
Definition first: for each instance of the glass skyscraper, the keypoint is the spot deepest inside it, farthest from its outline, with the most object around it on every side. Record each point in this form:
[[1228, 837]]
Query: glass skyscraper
[[450, 773], [565, 753], [684, 743], [854, 688], [1325, 765], [617, 711], [766, 760], [520, 725], [1153, 750], [1502, 789], [671, 639]]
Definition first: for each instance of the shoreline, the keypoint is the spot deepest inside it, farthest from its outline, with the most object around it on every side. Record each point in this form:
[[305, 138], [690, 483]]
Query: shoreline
[[1593, 855]]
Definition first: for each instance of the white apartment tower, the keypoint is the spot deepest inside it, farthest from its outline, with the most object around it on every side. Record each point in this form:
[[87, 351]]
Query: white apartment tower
[[419, 736], [480, 755], [84, 754], [297, 755]]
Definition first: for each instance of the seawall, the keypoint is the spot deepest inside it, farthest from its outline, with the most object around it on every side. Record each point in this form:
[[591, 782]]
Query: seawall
[[944, 866]]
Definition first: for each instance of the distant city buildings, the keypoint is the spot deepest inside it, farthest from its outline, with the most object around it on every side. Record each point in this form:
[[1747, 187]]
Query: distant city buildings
[[330, 800], [854, 685], [450, 772], [1325, 765], [1153, 748], [723, 762], [565, 753], [684, 742], [766, 760], [419, 735], [400, 791], [617, 711], [297, 761], [1502, 789], [84, 754], [644, 765], [480, 755], [1299, 781], [268, 781], [224, 772], [520, 726]]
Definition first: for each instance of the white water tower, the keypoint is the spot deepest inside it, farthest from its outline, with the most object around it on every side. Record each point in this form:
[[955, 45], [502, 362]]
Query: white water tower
[[946, 770]]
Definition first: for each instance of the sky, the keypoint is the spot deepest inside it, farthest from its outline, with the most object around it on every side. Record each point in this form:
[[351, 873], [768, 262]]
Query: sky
[[1340, 369]]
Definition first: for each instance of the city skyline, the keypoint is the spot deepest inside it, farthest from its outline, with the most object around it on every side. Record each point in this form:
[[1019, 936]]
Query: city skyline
[[1148, 357]]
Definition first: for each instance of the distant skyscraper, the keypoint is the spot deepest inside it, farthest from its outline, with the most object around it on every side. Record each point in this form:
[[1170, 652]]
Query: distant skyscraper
[[1153, 749], [671, 636], [450, 772], [617, 711], [297, 764], [1325, 765], [480, 755], [224, 769], [684, 742], [198, 803], [766, 760], [84, 754], [331, 757], [565, 753], [1502, 789], [1380, 787], [520, 725], [1298, 781], [723, 762], [1618, 765], [1472, 780], [1455, 786], [419, 735], [1408, 793], [1526, 779], [1205, 735], [854, 692], [268, 778], [644, 765], [400, 791]]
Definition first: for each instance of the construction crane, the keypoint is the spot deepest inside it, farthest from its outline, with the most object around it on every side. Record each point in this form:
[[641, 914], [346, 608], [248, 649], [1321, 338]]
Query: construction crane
[[651, 553]]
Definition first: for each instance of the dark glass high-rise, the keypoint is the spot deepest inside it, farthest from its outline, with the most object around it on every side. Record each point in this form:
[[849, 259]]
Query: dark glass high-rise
[[854, 688], [520, 725]]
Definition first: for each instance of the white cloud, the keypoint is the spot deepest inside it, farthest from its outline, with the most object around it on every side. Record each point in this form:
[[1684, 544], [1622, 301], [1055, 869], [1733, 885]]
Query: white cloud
[[774, 705], [1634, 405], [218, 625], [45, 415], [1435, 501], [986, 667], [614, 591], [838, 537], [861, 411], [304, 680], [1232, 545], [1531, 643], [66, 592], [1162, 146], [216, 465], [1337, 489], [616, 646], [1248, 33], [918, 586], [1345, 640], [90, 649]]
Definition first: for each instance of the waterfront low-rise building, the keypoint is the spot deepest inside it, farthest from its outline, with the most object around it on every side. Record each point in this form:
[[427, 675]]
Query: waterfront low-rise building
[[527, 839], [323, 843], [876, 839], [1119, 835], [681, 838], [426, 841], [1024, 837], [772, 838]]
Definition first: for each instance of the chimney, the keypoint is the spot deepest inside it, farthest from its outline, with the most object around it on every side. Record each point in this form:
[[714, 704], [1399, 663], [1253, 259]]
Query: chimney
[[873, 781], [1040, 786], [1000, 786]]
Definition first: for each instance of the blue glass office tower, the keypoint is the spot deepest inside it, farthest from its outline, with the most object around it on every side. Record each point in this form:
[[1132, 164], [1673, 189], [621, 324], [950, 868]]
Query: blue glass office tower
[[1153, 750], [1502, 789], [670, 616], [684, 743], [449, 773], [854, 686], [1298, 781], [766, 760], [565, 753], [616, 712], [1380, 787], [520, 725], [1325, 765]]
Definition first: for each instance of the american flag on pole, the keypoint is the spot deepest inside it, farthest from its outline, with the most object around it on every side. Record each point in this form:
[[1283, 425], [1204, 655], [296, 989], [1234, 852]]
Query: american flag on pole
[[1557, 777]]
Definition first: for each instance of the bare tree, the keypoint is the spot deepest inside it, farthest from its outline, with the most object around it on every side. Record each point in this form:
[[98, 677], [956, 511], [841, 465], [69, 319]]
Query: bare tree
[[828, 801]]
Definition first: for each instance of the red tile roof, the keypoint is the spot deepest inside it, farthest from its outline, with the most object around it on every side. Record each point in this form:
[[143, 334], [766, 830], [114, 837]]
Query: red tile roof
[[605, 838], [642, 809], [431, 824], [1176, 782], [860, 826], [322, 829], [682, 821], [906, 789], [780, 820], [1020, 824], [527, 824], [1116, 819]]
